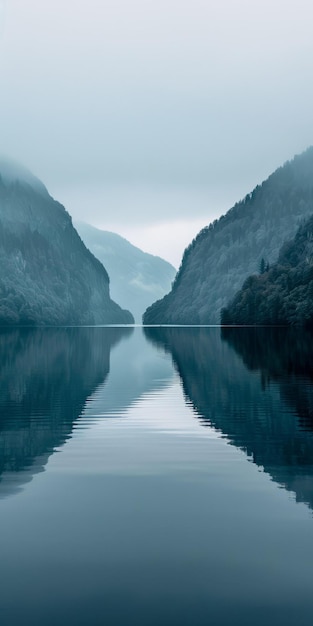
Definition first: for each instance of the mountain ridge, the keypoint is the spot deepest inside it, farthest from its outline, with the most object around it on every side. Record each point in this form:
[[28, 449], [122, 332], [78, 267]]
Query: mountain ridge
[[47, 275], [226, 252], [137, 278]]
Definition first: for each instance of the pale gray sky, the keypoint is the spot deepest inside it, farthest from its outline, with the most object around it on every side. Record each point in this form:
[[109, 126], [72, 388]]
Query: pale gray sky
[[152, 117]]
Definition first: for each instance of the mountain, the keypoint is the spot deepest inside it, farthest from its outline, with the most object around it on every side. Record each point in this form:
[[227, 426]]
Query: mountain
[[47, 275], [282, 293], [136, 278], [226, 252]]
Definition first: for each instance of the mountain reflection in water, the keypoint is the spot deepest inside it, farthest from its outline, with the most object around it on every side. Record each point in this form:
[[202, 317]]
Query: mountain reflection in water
[[46, 376], [144, 514], [50, 378], [262, 401], [282, 355]]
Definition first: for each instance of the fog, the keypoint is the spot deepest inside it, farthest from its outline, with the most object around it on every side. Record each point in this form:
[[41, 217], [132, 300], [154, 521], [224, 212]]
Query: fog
[[141, 115]]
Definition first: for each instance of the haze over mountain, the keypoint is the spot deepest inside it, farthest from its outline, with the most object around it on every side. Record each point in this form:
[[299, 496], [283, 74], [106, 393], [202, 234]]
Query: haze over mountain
[[47, 274], [179, 105], [136, 278], [281, 293], [226, 252]]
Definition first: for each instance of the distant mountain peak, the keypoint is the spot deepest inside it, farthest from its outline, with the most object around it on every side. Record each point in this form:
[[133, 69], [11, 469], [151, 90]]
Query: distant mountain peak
[[13, 172], [137, 278], [47, 275]]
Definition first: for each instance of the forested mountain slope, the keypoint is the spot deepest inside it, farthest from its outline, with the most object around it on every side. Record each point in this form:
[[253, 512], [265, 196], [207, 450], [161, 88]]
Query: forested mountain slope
[[226, 252], [47, 275], [284, 293], [136, 278]]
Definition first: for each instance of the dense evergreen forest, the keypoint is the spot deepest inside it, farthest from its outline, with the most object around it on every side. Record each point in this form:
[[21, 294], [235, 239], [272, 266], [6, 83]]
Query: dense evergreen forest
[[47, 275], [282, 293], [224, 254]]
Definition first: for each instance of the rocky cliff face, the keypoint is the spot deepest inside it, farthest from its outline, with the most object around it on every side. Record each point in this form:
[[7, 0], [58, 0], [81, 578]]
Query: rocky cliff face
[[47, 275], [225, 253]]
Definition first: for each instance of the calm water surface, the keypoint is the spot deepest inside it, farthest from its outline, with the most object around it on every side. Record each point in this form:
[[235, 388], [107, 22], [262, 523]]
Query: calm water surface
[[157, 477]]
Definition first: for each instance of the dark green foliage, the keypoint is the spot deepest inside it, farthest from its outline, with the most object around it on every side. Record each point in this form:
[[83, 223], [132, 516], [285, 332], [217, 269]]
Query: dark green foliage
[[264, 267], [47, 275], [225, 253], [284, 294]]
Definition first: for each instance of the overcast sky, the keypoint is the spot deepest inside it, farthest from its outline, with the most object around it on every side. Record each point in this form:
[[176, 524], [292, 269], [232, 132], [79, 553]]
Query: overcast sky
[[152, 117]]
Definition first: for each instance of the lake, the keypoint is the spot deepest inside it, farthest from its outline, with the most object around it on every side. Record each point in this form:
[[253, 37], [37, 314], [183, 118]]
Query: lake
[[158, 476]]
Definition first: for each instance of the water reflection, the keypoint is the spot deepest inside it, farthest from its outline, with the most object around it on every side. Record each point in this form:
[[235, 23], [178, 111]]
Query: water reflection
[[282, 355], [255, 387], [136, 370], [45, 378], [146, 516]]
